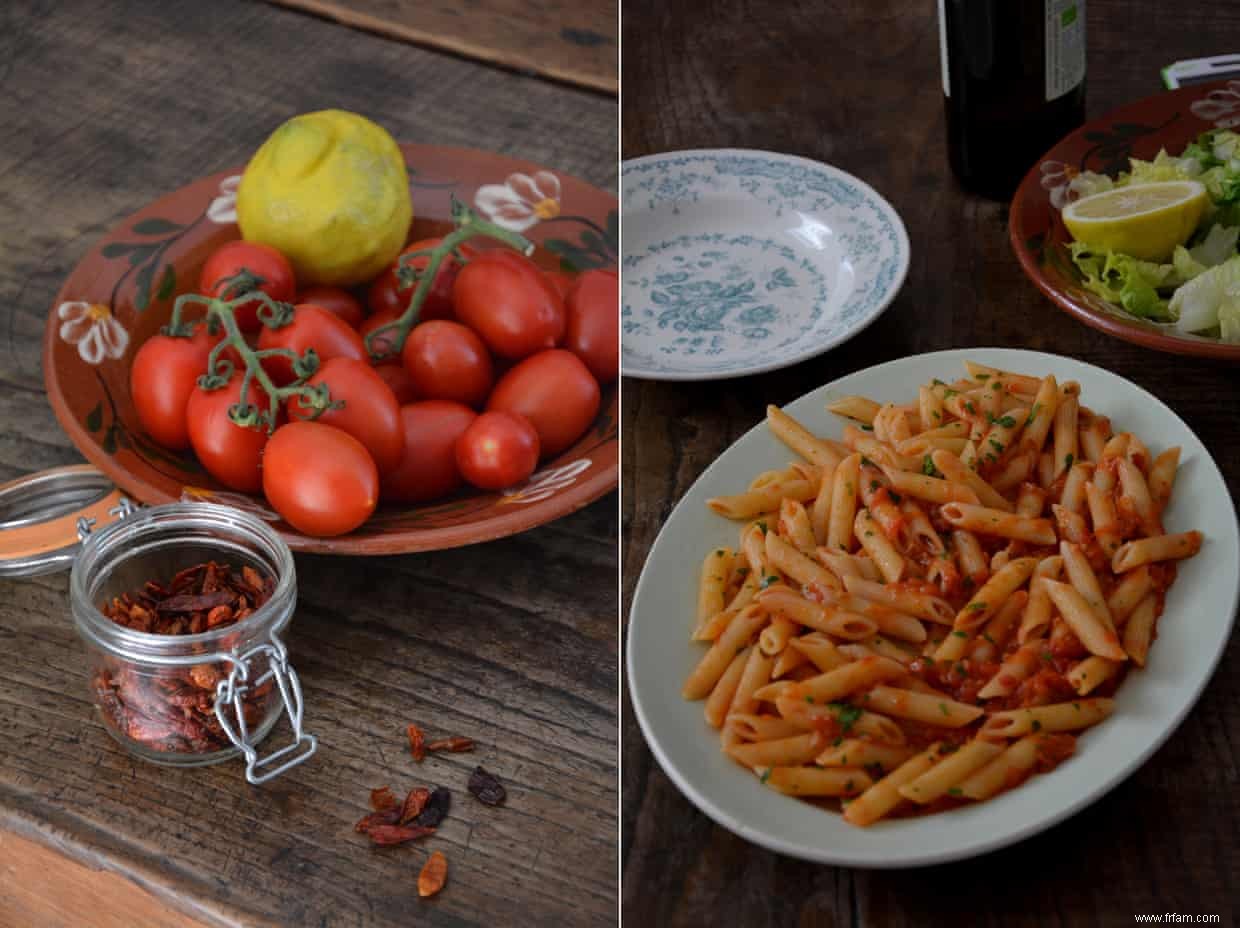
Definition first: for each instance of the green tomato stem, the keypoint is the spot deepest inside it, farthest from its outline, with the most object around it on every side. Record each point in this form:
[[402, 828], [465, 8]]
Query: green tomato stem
[[222, 313], [468, 225]]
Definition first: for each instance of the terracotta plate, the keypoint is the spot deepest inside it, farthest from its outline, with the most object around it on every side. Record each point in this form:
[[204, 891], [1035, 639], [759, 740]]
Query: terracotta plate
[[1169, 120], [122, 292]]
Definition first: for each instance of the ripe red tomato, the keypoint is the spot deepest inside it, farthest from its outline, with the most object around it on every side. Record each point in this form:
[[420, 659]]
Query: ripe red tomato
[[508, 300], [381, 345], [594, 323], [312, 327], [164, 373], [427, 469], [370, 412], [498, 450], [398, 381], [231, 454], [555, 391], [320, 479], [274, 273], [562, 281], [448, 361], [335, 300], [386, 295]]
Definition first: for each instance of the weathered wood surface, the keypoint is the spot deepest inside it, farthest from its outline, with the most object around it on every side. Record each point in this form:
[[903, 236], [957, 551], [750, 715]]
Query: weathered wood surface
[[105, 106], [574, 42], [857, 85]]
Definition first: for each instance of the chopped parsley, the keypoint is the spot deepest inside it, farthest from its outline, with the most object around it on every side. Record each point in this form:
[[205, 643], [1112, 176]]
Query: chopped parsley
[[977, 606], [954, 791], [1046, 656], [874, 485], [988, 638], [767, 581], [895, 497], [761, 525], [997, 445], [719, 552], [766, 775], [837, 742], [961, 669], [866, 462], [865, 427], [869, 534], [846, 715], [938, 383], [928, 468], [742, 571], [848, 785], [949, 393], [961, 634], [1037, 408], [981, 377], [1076, 706], [936, 414], [970, 407], [809, 699], [943, 708], [1067, 460], [1037, 726]]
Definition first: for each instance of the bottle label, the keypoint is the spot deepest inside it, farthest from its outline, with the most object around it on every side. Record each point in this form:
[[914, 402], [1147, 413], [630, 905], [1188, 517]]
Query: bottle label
[[947, 86], [1065, 46]]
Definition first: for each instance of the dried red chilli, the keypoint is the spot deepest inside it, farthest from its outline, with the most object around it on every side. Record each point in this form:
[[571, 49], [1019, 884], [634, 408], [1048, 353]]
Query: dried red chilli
[[385, 817], [388, 835], [383, 798], [414, 803], [174, 710], [417, 742], [455, 745], [436, 809], [486, 787]]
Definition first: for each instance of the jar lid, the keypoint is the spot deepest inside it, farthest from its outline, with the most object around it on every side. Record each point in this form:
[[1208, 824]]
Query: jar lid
[[45, 516]]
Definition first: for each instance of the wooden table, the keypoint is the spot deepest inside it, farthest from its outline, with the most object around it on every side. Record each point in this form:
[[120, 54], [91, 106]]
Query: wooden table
[[857, 85], [513, 643]]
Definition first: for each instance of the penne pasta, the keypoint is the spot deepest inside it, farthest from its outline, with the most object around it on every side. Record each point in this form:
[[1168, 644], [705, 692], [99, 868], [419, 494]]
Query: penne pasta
[[821, 511], [994, 593], [1084, 621], [1140, 629], [791, 562], [950, 771], [750, 727], [1132, 554], [843, 504], [878, 546], [855, 407], [1092, 671], [956, 470], [711, 586], [817, 781], [1065, 716], [797, 437], [1009, 767], [884, 795], [1162, 476], [920, 707], [753, 503], [923, 605], [720, 697], [984, 521], [744, 625], [854, 752], [779, 752]]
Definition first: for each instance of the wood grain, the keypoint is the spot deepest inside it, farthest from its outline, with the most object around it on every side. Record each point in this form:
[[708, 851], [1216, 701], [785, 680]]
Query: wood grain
[[512, 643], [32, 893], [558, 39], [857, 85]]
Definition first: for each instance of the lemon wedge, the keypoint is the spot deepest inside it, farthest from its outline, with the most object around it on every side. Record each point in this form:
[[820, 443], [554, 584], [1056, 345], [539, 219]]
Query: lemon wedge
[[1146, 221], [329, 190]]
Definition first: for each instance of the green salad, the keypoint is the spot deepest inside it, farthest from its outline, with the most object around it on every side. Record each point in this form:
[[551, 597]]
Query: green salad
[[1198, 290]]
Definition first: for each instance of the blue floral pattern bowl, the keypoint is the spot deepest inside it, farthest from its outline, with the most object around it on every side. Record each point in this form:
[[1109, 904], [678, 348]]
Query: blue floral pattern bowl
[[737, 262]]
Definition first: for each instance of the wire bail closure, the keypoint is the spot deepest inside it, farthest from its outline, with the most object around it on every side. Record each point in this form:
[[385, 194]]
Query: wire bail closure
[[229, 693]]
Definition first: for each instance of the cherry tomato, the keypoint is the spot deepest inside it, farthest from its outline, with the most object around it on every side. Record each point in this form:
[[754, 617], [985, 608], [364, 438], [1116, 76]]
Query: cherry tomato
[[335, 300], [398, 381], [555, 391], [380, 345], [594, 323], [370, 412], [506, 298], [562, 281], [273, 272], [387, 295], [320, 479], [164, 373], [312, 327], [448, 361], [231, 453], [498, 450], [427, 469]]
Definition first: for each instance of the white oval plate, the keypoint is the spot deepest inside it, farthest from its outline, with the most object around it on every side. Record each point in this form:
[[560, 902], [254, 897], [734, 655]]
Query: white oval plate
[[1192, 634], [737, 262]]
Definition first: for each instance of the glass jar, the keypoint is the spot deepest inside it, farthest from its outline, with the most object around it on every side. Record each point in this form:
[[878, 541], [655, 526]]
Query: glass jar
[[187, 700]]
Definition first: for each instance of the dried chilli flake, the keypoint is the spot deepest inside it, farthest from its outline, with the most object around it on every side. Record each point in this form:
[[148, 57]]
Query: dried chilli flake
[[434, 874], [486, 788], [174, 710], [436, 809], [390, 835], [383, 798], [456, 745], [414, 803], [417, 743], [385, 817]]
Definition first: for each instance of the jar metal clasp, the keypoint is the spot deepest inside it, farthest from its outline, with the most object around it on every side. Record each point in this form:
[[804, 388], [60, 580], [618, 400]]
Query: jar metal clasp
[[230, 711]]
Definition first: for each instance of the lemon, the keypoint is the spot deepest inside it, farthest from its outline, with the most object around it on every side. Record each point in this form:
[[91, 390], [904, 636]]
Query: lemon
[[329, 190], [1146, 221]]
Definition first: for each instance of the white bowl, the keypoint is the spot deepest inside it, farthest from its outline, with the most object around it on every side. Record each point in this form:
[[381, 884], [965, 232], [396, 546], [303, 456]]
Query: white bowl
[[1192, 634], [739, 261]]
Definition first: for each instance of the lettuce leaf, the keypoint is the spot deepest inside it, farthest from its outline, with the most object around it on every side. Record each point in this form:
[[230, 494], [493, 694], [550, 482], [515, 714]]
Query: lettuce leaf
[[1195, 306], [1128, 281], [1229, 320]]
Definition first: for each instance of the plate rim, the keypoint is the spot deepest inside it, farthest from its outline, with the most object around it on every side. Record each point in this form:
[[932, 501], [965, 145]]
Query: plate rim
[[882, 860], [818, 348], [1113, 325], [587, 490]]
